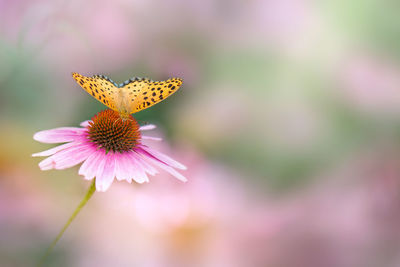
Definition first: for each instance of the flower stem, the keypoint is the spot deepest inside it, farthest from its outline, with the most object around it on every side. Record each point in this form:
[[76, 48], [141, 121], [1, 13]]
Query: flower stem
[[88, 195]]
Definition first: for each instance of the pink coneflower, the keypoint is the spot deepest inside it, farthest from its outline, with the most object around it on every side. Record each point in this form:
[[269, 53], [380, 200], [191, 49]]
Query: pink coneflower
[[108, 147]]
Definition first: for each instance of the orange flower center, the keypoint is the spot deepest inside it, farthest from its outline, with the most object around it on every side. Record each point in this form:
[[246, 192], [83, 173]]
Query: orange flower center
[[107, 130]]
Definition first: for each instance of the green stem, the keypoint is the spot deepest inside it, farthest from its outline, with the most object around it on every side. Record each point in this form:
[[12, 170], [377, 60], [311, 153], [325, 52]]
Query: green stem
[[88, 195]]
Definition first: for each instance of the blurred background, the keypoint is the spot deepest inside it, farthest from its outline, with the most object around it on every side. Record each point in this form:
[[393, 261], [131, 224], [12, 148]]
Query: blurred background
[[288, 121]]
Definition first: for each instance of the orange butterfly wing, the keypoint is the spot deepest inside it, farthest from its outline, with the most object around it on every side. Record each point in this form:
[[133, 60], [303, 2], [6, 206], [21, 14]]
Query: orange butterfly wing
[[100, 87], [144, 93]]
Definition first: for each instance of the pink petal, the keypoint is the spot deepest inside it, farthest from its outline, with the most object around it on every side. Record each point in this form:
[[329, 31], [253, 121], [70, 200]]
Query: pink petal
[[105, 172], [53, 150], [151, 138], [136, 169], [160, 157], [167, 168], [47, 164], [59, 135], [146, 166], [90, 166], [99, 170], [66, 158], [147, 127], [122, 165], [85, 123], [72, 156]]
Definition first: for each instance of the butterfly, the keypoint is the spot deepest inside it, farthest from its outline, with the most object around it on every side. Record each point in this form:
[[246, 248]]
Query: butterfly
[[129, 97]]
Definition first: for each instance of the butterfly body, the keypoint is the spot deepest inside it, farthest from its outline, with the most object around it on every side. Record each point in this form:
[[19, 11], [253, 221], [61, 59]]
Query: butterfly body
[[122, 103], [129, 97]]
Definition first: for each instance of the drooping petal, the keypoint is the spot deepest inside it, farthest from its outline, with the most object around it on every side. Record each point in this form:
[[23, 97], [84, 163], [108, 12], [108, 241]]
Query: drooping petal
[[106, 172], [100, 168], [66, 158], [122, 167], [165, 167], [53, 150], [147, 127], [47, 164], [71, 156], [160, 157], [146, 166], [143, 166], [137, 170], [91, 164], [59, 135], [151, 138]]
